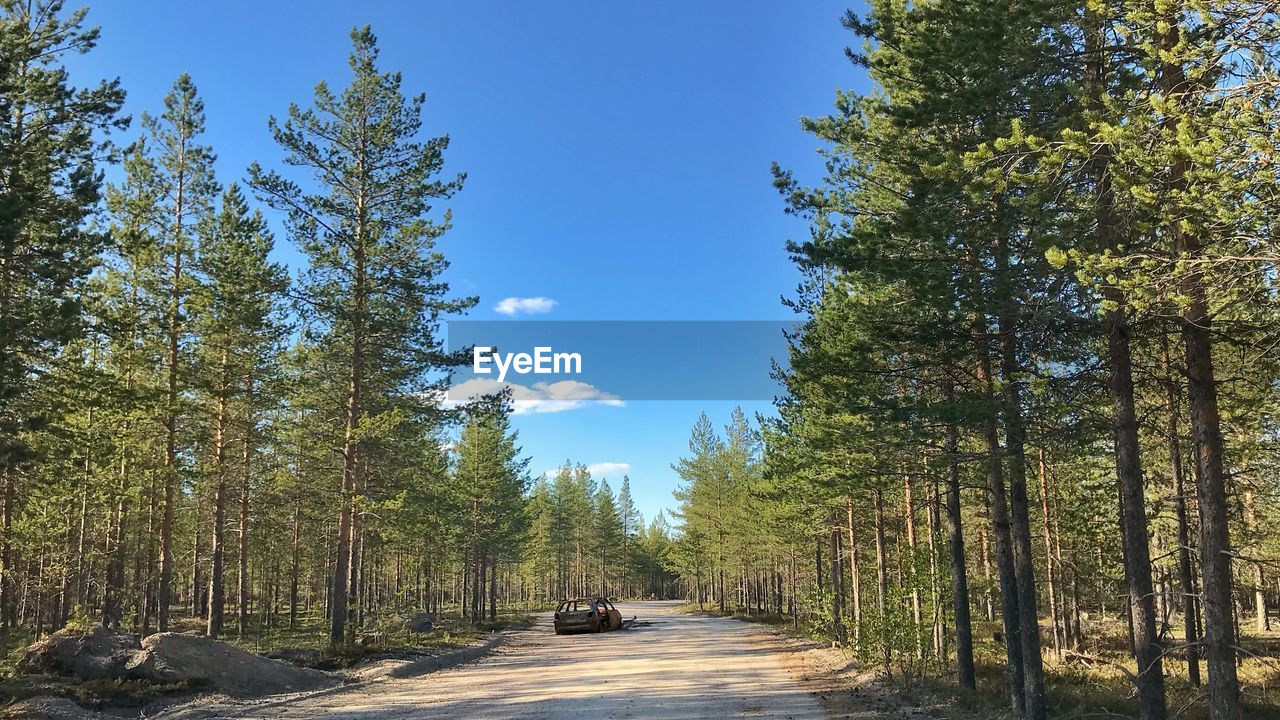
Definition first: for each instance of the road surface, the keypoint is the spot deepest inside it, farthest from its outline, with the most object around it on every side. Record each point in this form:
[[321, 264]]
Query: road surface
[[678, 667]]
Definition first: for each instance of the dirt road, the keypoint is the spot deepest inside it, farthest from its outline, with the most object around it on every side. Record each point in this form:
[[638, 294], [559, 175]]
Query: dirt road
[[678, 667]]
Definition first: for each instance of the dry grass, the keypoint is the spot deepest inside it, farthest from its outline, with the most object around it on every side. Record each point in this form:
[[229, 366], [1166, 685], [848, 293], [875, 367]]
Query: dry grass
[[1091, 684]]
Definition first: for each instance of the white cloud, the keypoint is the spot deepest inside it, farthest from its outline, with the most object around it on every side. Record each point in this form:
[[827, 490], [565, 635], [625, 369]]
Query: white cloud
[[540, 397], [530, 305], [608, 468], [598, 469]]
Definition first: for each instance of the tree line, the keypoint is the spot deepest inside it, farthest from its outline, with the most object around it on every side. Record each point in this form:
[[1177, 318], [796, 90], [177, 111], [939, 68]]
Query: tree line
[[191, 435], [1035, 378]]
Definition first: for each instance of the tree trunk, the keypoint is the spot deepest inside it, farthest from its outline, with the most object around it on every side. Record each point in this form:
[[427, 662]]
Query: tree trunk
[[882, 561], [1215, 541], [817, 568], [1262, 625], [909, 520], [242, 578], [855, 577], [169, 472], [217, 589], [965, 673], [355, 581], [295, 567], [933, 515], [984, 550], [1137, 556], [8, 570], [198, 590], [113, 592], [1049, 574], [1000, 526], [350, 443], [837, 587], [882, 578], [1202, 391], [493, 591], [147, 596], [1019, 506], [81, 591]]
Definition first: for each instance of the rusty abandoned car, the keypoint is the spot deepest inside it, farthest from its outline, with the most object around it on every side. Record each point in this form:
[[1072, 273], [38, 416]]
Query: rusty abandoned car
[[579, 615]]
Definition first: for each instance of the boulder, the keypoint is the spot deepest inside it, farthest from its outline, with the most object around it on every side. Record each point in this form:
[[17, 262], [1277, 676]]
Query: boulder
[[422, 622], [94, 655], [175, 658], [49, 708]]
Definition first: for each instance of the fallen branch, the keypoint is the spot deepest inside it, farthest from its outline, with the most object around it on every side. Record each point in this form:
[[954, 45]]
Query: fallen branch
[[1091, 660]]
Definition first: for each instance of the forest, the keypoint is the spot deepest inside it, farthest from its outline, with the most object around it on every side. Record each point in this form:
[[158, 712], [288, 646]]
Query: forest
[[193, 437], [1029, 441]]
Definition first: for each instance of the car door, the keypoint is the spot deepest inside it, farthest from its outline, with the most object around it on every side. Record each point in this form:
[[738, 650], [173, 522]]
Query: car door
[[615, 617]]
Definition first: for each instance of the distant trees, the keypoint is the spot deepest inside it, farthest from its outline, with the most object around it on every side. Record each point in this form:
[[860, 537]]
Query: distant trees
[[722, 553], [607, 536], [493, 480], [584, 540], [588, 541]]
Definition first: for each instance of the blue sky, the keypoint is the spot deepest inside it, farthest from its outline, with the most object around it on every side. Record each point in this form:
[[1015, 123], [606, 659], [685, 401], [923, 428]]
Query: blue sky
[[617, 154]]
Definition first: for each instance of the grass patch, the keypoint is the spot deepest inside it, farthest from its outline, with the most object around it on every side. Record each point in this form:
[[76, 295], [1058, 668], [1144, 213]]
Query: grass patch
[[307, 643], [92, 693], [1087, 685], [709, 610]]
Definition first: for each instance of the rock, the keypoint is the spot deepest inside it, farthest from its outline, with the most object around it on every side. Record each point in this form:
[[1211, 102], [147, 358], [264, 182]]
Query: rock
[[94, 655], [422, 622], [166, 658], [49, 708], [174, 658]]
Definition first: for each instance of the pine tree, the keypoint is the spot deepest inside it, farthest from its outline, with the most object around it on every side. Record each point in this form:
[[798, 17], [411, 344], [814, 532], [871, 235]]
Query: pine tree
[[607, 534], [632, 523], [130, 318], [494, 481], [707, 499], [374, 278], [919, 202], [51, 139], [182, 169], [239, 336], [542, 551]]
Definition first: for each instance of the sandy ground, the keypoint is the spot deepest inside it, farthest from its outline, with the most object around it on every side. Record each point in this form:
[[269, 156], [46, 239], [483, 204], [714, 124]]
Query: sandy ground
[[846, 691], [677, 667]]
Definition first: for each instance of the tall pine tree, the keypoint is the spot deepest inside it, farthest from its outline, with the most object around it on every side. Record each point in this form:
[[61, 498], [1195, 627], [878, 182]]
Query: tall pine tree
[[363, 220]]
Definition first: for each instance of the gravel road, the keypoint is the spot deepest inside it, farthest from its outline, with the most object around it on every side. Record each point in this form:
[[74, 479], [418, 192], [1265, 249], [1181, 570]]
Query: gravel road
[[678, 667]]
